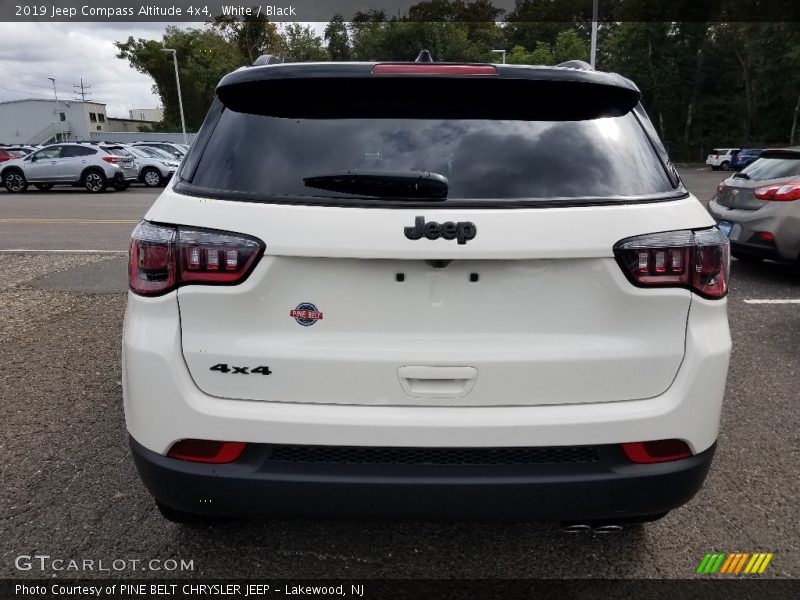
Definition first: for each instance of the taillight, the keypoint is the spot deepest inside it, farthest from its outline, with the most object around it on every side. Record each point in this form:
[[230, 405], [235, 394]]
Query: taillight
[[697, 260], [783, 192], [721, 187], [113, 159], [432, 69], [207, 451], [164, 257], [656, 451]]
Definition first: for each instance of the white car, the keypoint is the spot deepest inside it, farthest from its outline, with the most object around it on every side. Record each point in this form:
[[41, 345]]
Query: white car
[[408, 300], [721, 158], [156, 167]]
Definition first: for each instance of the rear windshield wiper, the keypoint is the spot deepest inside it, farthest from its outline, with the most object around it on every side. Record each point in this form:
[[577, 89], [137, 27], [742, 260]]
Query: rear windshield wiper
[[740, 175], [383, 184]]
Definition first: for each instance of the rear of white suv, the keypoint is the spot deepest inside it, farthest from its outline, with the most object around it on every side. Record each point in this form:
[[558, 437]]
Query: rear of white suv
[[403, 299]]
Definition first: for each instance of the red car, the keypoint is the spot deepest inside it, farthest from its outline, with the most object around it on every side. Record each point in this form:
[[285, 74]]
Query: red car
[[9, 154]]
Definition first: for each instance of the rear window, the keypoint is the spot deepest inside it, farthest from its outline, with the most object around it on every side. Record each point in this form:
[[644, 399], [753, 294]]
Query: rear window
[[266, 157], [773, 168]]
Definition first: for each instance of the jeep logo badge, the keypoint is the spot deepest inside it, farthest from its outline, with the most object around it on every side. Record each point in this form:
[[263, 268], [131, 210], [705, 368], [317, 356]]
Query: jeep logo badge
[[463, 231]]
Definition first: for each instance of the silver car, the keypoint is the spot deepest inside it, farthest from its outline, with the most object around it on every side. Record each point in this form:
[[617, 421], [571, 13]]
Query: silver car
[[759, 208], [77, 164], [156, 167]]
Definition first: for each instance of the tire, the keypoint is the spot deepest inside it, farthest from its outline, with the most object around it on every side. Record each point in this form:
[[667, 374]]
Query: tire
[[713, 168], [152, 177], [44, 187], [725, 165], [122, 186], [94, 181], [15, 182], [186, 518], [746, 258]]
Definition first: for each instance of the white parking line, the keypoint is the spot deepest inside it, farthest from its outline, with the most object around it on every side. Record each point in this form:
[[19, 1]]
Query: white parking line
[[773, 301], [71, 251]]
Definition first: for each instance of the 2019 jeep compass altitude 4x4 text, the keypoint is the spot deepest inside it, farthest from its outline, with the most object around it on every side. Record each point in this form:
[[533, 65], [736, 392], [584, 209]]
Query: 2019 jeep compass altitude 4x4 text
[[387, 290]]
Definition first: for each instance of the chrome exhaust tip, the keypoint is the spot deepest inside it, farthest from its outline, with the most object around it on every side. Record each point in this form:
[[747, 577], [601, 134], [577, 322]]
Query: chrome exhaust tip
[[608, 528], [575, 528]]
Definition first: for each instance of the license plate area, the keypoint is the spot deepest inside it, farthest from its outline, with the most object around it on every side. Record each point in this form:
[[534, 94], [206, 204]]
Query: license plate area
[[725, 227]]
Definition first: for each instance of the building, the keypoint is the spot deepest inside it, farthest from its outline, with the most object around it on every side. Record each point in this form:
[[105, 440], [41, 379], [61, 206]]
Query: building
[[153, 115], [35, 121]]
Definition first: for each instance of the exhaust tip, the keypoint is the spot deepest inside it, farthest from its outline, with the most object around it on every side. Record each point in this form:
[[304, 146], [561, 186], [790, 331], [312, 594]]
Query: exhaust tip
[[575, 527]]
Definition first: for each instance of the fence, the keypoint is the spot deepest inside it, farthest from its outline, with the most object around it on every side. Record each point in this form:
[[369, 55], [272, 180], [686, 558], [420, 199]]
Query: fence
[[129, 137]]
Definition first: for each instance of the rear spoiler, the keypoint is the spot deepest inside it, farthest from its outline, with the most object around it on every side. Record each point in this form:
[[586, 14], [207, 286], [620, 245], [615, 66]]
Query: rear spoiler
[[444, 90]]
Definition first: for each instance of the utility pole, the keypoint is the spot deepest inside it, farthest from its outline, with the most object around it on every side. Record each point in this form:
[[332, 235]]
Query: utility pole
[[55, 110], [593, 51], [83, 93], [178, 84]]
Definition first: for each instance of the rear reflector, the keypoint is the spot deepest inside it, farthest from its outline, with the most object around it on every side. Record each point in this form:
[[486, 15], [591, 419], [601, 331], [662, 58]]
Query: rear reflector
[[432, 69], [164, 257], [657, 451], [207, 451], [696, 260]]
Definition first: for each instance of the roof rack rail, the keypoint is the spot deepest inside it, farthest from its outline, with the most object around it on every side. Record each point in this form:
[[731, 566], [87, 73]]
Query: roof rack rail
[[576, 64], [267, 59]]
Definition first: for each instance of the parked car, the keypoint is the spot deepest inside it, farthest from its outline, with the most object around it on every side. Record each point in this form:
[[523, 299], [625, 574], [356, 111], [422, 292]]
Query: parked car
[[86, 165], [174, 150], [9, 154], [745, 157], [721, 158], [759, 208], [155, 167], [391, 304], [24, 149]]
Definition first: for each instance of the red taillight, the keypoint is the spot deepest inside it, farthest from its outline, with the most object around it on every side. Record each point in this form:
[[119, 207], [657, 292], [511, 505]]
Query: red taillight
[[163, 258], [721, 187], [113, 159], [766, 236], [657, 451], [698, 260], [432, 69], [784, 192], [207, 451]]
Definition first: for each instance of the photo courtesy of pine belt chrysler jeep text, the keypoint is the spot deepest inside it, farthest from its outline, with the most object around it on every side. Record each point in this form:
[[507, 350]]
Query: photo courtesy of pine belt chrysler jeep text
[[389, 290]]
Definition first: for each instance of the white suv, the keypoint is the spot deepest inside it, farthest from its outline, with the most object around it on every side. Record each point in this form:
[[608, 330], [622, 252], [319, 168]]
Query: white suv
[[721, 158], [404, 298]]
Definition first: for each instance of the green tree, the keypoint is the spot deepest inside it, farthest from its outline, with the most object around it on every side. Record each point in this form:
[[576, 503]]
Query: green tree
[[253, 35], [337, 39], [301, 44], [569, 46], [204, 56]]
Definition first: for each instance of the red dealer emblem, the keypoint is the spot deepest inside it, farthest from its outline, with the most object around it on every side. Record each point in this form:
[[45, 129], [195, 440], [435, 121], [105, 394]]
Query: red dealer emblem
[[306, 314]]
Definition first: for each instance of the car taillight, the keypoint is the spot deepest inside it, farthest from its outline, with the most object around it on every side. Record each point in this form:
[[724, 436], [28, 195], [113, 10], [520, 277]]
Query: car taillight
[[163, 258], [697, 260], [113, 159], [782, 192], [721, 187], [207, 451], [656, 451]]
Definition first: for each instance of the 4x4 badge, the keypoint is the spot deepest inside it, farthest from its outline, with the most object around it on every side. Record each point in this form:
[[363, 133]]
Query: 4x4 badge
[[306, 314], [463, 231]]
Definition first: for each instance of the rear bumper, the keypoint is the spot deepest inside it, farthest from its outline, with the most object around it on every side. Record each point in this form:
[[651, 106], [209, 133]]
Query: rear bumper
[[781, 219], [607, 487]]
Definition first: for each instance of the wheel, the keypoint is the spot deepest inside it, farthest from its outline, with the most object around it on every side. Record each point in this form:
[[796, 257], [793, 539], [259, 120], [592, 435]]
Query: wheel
[[713, 168], [45, 187], [152, 177], [95, 182], [186, 518], [749, 258], [15, 182], [122, 186], [725, 165]]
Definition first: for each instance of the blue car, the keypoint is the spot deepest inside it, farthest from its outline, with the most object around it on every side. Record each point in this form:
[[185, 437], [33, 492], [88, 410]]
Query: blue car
[[744, 158]]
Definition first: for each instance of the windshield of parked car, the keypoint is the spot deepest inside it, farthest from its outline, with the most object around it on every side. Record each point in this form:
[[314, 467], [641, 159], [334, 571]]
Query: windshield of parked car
[[480, 158], [773, 168], [154, 153]]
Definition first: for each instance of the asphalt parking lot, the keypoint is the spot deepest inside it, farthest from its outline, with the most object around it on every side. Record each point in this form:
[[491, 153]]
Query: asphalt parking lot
[[68, 488]]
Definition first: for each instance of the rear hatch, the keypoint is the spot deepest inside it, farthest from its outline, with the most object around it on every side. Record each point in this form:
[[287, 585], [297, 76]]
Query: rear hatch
[[773, 166], [374, 289]]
